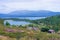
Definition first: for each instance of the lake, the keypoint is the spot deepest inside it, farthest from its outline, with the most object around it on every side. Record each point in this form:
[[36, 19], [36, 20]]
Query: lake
[[30, 18], [16, 22], [21, 22]]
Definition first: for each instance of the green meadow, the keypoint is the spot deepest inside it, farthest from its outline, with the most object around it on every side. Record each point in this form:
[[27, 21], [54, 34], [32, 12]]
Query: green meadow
[[38, 30]]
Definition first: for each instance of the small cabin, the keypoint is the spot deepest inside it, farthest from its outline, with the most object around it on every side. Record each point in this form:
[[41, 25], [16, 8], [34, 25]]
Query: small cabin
[[51, 31]]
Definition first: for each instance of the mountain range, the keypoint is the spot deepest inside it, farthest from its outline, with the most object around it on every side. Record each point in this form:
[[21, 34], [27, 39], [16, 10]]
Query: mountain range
[[25, 13]]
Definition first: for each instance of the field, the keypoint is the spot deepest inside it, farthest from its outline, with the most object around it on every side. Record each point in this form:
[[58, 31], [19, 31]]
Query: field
[[25, 33]]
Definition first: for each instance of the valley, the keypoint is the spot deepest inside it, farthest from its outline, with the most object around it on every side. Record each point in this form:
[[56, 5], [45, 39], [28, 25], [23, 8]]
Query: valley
[[39, 29]]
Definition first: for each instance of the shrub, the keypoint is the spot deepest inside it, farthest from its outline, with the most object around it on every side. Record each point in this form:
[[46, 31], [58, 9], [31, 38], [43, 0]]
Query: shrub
[[44, 29], [7, 24]]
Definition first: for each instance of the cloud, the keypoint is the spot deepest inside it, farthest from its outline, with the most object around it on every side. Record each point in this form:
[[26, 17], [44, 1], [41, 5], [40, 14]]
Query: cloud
[[11, 5], [17, 0]]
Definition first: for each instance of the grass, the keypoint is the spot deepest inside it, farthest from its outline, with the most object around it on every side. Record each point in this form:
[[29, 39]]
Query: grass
[[38, 36], [26, 35]]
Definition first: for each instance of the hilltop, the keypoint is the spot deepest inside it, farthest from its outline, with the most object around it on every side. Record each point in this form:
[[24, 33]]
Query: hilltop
[[25, 13]]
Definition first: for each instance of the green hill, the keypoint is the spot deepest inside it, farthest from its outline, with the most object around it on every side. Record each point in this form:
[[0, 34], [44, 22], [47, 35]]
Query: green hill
[[22, 33], [52, 22]]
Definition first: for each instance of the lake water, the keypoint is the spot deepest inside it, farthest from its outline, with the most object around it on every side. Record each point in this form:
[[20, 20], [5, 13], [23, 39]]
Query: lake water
[[21, 22], [30, 18], [16, 22]]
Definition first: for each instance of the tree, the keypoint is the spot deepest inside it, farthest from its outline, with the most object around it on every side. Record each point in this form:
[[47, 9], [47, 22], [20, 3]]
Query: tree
[[44, 29], [30, 25], [20, 26], [7, 24]]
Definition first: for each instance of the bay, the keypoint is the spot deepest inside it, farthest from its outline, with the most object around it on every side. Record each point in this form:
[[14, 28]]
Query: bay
[[21, 22]]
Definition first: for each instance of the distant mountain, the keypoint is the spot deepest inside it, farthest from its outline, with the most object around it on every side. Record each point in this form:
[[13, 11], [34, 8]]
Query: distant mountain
[[24, 13]]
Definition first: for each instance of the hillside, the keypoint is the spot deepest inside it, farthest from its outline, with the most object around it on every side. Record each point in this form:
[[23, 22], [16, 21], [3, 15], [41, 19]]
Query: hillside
[[52, 22], [25, 32]]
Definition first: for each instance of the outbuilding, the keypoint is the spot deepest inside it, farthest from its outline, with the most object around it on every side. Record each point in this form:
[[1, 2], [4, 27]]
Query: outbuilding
[[51, 31]]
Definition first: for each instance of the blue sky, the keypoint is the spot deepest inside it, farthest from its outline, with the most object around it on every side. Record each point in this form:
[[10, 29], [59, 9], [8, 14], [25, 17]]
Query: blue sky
[[12, 5]]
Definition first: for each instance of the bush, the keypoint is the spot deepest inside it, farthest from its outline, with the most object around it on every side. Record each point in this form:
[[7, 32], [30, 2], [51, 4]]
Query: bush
[[7, 23], [44, 29]]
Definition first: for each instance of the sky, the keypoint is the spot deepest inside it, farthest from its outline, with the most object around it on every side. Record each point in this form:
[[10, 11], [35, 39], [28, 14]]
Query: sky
[[33, 5]]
